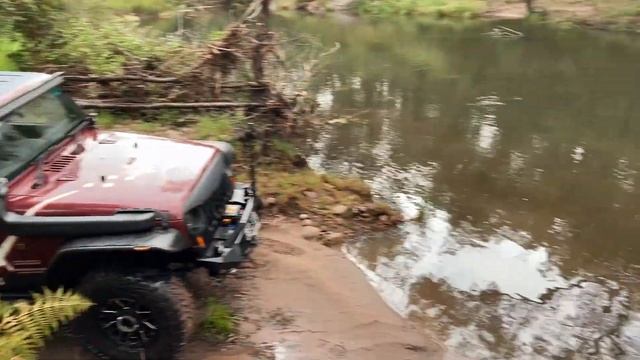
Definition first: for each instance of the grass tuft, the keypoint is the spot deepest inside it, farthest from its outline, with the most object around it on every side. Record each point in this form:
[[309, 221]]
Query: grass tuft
[[107, 120], [218, 320], [219, 127]]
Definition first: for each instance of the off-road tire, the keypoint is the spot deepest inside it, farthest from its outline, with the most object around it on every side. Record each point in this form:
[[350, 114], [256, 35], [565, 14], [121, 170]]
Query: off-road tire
[[168, 301]]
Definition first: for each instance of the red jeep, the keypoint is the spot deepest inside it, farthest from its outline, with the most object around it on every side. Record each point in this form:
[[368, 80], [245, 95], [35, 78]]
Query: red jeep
[[120, 217]]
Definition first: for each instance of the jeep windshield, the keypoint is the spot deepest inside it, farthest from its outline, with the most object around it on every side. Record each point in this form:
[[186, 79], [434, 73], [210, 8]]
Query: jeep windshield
[[30, 130]]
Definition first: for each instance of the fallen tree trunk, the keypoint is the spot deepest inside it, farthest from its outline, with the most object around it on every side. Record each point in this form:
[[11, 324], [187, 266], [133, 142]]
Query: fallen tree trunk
[[152, 79], [114, 78], [92, 104]]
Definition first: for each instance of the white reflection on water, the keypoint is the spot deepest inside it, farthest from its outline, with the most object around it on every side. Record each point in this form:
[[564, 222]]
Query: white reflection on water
[[499, 265], [433, 250]]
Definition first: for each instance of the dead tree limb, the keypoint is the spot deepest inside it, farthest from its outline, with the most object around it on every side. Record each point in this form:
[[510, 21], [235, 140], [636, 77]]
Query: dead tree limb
[[92, 104], [93, 78]]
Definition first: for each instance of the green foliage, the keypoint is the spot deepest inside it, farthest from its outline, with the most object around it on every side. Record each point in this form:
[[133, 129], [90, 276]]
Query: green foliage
[[24, 326], [146, 127], [96, 41], [284, 147], [32, 19], [103, 47], [107, 120], [217, 35], [218, 319], [8, 47], [439, 8], [138, 6], [218, 127]]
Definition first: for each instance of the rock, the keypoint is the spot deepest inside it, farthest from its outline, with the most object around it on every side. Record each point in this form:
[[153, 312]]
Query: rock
[[311, 194], [333, 239], [383, 218], [299, 161], [303, 216], [270, 201], [310, 232], [340, 210], [307, 222]]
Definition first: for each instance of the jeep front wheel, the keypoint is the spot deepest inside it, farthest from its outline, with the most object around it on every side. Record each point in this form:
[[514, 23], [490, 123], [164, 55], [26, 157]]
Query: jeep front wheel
[[135, 317]]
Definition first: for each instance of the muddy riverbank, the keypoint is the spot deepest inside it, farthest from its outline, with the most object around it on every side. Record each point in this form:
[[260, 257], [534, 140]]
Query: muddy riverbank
[[298, 299]]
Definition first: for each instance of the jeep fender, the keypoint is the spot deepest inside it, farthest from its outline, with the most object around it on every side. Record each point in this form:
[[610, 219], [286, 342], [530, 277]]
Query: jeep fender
[[167, 242]]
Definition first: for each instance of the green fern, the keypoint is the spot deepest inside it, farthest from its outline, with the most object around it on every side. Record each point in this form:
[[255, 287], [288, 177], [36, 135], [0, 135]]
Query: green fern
[[24, 326]]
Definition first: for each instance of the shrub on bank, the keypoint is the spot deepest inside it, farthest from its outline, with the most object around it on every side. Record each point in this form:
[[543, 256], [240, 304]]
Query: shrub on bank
[[438, 8]]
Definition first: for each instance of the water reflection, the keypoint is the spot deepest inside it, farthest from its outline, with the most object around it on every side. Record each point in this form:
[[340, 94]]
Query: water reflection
[[518, 163]]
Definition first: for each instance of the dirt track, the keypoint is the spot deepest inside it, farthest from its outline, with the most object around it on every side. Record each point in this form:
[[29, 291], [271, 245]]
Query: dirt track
[[301, 300]]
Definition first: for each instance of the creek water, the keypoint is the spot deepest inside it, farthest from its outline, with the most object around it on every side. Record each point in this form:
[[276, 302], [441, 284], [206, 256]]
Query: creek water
[[518, 160]]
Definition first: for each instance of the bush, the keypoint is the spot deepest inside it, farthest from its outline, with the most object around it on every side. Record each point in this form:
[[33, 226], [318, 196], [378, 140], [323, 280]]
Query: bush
[[50, 34], [8, 47], [104, 47], [439, 8]]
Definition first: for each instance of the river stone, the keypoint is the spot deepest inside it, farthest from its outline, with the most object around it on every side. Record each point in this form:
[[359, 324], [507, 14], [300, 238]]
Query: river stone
[[303, 216], [307, 222], [311, 194], [340, 210], [310, 232], [333, 239]]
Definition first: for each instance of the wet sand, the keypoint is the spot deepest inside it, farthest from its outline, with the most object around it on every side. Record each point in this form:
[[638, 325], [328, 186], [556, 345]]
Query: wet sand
[[301, 300]]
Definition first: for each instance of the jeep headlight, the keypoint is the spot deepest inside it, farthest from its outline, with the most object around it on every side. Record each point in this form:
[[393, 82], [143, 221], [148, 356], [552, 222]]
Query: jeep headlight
[[196, 221]]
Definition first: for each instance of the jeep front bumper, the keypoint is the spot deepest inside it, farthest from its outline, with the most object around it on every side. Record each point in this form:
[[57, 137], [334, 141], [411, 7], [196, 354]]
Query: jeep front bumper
[[237, 235]]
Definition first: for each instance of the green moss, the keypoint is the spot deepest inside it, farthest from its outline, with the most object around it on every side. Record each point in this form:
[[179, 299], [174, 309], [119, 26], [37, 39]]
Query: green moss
[[215, 127], [218, 320], [351, 184], [438, 8], [289, 187]]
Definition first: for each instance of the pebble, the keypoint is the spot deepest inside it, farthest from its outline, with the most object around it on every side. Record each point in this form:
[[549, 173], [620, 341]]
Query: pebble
[[307, 222], [303, 216], [383, 218], [333, 239], [311, 194], [340, 210], [310, 232]]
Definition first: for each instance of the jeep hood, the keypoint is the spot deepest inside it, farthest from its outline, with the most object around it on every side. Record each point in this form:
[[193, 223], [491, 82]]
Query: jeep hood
[[100, 173]]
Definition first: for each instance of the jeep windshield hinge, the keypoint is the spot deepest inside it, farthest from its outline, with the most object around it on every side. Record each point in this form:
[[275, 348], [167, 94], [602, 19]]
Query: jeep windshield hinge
[[248, 141]]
